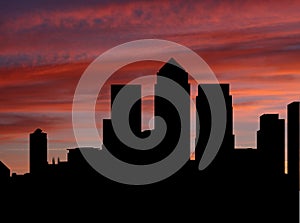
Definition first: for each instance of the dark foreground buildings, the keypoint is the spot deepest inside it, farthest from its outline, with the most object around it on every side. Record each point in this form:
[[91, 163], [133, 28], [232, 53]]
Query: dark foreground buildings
[[203, 129], [239, 182], [293, 133], [177, 124], [38, 152], [271, 143], [4, 172]]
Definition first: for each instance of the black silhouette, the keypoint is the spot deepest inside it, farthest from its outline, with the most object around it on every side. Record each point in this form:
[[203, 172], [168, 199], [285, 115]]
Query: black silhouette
[[293, 145], [4, 172], [38, 152], [110, 140], [203, 108], [251, 182], [168, 111], [271, 143], [163, 109], [293, 130]]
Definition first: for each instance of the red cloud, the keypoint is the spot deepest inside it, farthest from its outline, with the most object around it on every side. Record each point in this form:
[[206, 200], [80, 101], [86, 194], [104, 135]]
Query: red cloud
[[252, 46]]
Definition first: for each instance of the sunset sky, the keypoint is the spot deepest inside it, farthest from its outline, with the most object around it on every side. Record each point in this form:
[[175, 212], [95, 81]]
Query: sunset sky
[[45, 46]]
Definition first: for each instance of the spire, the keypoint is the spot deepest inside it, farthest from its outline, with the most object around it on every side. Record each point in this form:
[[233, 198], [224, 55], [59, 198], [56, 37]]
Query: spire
[[171, 65], [175, 72], [174, 62]]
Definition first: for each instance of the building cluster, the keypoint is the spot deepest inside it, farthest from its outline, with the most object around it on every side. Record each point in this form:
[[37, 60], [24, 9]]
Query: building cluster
[[174, 108]]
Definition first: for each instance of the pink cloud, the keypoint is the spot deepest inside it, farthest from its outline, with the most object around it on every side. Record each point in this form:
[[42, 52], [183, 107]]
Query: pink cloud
[[252, 46]]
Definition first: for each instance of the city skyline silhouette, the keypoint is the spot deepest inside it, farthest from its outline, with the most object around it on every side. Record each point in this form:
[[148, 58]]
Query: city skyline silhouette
[[250, 51], [265, 135], [259, 170]]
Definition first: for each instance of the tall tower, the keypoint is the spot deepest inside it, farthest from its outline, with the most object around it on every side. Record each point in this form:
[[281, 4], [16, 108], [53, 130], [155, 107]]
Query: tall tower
[[135, 114], [293, 132], [38, 152], [203, 129], [178, 125], [110, 139], [171, 80], [271, 142]]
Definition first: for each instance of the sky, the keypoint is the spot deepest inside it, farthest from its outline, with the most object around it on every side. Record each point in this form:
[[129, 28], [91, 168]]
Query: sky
[[45, 46]]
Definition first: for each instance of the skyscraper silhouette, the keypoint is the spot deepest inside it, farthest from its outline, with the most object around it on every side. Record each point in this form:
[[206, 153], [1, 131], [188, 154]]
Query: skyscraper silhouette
[[4, 172], [135, 115], [271, 143], [38, 152], [110, 139], [204, 127], [293, 131], [177, 124]]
